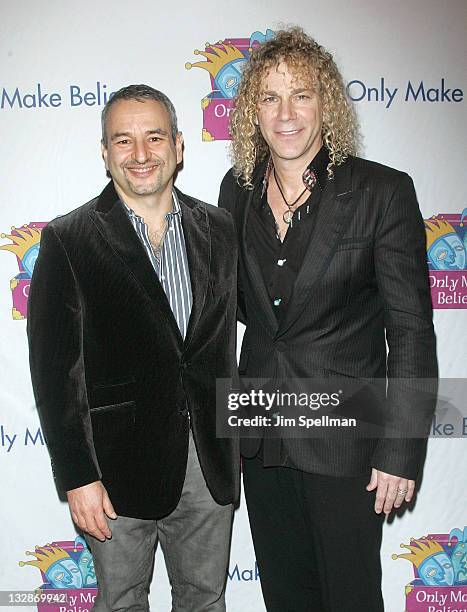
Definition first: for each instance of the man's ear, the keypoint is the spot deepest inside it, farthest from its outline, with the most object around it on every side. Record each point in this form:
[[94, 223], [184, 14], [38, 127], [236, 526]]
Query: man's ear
[[104, 154], [179, 147]]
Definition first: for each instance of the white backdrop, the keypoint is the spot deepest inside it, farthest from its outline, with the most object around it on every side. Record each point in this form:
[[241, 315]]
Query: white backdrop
[[51, 164]]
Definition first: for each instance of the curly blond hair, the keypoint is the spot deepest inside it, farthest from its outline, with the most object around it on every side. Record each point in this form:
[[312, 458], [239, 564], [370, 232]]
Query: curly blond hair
[[304, 58]]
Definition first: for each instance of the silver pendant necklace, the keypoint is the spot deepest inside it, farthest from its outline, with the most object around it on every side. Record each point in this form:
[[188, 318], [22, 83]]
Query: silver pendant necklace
[[288, 215]]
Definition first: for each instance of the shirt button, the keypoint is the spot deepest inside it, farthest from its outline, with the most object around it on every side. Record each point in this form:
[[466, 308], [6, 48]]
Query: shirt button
[[281, 262], [277, 301]]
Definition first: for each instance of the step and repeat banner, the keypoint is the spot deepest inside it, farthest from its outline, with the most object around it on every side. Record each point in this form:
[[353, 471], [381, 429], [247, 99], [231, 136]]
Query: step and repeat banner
[[405, 67]]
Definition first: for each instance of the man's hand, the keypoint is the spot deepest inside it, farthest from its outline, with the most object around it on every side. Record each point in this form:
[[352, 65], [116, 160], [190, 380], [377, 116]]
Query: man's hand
[[88, 506], [391, 490]]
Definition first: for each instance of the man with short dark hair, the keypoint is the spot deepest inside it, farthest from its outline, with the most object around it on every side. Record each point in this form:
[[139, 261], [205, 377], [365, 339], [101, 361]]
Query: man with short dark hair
[[131, 319], [332, 262]]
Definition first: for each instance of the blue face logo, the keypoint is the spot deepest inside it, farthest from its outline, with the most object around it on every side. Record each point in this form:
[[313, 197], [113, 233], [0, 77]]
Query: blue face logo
[[86, 563], [86, 567], [228, 78], [64, 574], [437, 570], [29, 259], [459, 562], [447, 253]]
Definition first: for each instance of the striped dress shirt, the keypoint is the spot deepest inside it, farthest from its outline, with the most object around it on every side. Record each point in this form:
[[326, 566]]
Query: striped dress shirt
[[172, 268]]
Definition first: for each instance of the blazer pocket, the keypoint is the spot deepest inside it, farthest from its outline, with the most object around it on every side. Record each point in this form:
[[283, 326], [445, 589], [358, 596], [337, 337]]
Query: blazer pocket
[[111, 407], [355, 243], [113, 426], [112, 393]]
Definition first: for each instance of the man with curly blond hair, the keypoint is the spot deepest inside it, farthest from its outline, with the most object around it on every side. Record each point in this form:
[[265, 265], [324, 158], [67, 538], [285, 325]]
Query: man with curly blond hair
[[332, 264]]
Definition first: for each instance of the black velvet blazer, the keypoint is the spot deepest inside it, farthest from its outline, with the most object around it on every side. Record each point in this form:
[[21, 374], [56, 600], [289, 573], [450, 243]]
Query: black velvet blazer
[[363, 281], [112, 376]]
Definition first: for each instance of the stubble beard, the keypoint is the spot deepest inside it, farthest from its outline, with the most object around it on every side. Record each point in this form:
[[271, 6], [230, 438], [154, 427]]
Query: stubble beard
[[149, 188]]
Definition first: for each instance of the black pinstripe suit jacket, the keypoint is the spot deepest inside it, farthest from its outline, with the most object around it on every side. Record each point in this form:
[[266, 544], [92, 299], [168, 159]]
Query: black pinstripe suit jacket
[[363, 282]]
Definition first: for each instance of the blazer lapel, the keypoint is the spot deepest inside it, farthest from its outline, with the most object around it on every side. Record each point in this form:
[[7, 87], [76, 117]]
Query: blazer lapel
[[114, 225], [334, 212], [198, 249], [259, 291]]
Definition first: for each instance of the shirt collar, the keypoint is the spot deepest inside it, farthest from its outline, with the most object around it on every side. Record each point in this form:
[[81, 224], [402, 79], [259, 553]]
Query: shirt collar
[[176, 208], [314, 174]]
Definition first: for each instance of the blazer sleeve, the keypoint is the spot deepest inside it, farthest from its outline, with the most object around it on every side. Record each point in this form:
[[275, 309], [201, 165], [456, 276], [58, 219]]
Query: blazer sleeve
[[55, 334], [228, 196], [412, 370]]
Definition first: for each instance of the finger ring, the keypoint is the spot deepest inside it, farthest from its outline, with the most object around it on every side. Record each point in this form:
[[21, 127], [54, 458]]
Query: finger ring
[[402, 491]]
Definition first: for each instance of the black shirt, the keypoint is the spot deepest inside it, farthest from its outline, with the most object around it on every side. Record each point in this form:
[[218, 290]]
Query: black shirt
[[280, 262]]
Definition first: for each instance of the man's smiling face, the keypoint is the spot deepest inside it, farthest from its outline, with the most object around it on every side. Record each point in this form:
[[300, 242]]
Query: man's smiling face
[[139, 151], [290, 115]]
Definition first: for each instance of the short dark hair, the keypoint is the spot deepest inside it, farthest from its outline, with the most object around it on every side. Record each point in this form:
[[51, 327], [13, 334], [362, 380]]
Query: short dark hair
[[139, 92]]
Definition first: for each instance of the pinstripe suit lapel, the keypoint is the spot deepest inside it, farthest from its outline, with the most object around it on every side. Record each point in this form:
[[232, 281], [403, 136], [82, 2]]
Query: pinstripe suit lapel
[[334, 212], [259, 290]]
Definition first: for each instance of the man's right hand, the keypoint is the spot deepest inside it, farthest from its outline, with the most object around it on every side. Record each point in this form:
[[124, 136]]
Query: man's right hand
[[89, 506]]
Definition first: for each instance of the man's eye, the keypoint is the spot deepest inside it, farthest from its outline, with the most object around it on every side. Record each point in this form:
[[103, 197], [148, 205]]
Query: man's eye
[[268, 99], [123, 141], [302, 97], [155, 139]]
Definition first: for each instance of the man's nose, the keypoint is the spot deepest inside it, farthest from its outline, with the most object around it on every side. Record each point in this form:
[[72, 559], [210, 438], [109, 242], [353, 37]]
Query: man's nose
[[141, 151], [286, 110]]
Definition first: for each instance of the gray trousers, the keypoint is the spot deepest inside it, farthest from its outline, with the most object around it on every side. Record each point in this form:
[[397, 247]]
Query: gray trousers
[[195, 540]]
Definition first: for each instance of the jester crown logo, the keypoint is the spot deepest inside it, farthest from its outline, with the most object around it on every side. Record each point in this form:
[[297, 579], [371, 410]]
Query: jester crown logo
[[25, 246], [225, 61], [438, 562], [446, 237], [64, 565]]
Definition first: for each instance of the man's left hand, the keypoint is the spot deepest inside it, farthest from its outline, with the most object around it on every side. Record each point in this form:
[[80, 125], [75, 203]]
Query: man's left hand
[[391, 490]]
